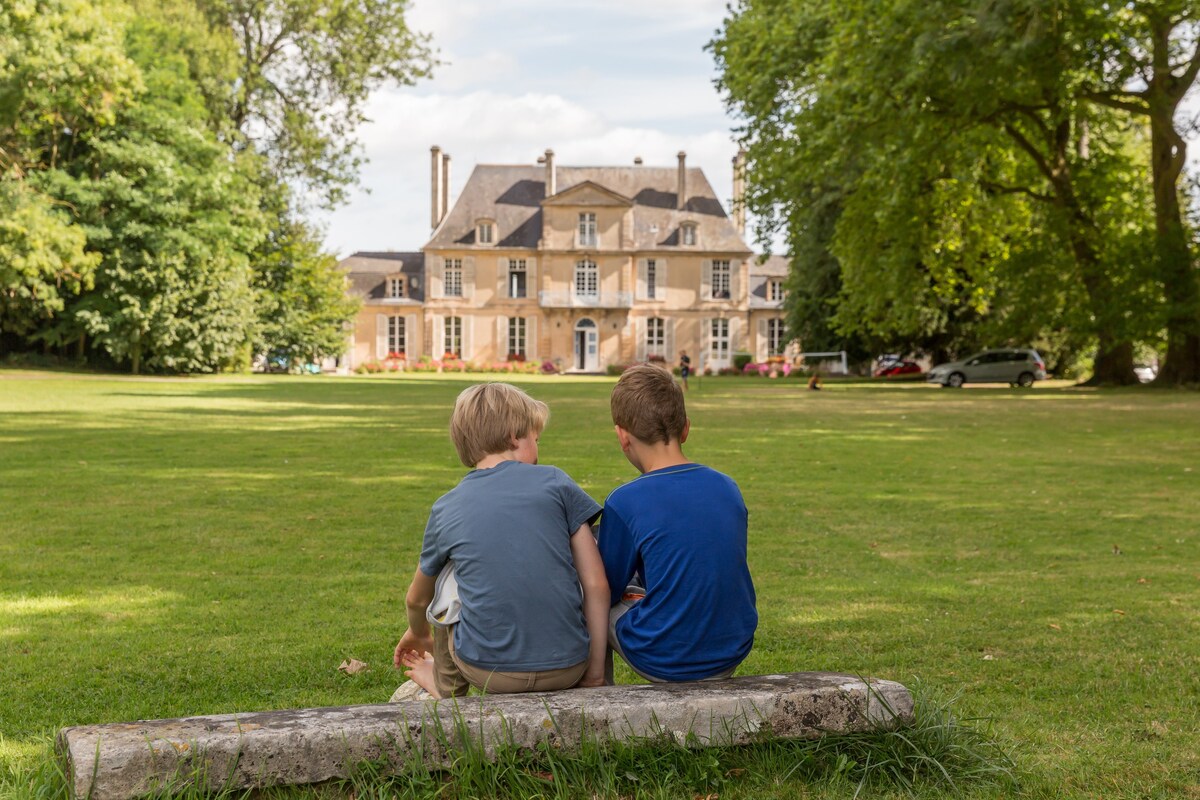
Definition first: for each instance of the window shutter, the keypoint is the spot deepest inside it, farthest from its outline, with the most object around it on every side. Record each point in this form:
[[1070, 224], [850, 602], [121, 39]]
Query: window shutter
[[501, 337], [735, 336], [437, 276], [642, 280], [381, 332], [468, 278], [762, 350], [660, 280], [706, 338], [437, 348], [502, 278], [411, 344], [669, 340], [735, 281], [706, 280], [531, 278], [531, 348], [639, 328], [468, 343]]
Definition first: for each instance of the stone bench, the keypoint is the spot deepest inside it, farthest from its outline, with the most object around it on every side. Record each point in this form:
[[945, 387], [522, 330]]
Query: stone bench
[[124, 760]]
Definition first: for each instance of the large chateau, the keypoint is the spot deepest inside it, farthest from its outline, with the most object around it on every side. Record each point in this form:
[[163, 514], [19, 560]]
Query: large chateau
[[582, 266]]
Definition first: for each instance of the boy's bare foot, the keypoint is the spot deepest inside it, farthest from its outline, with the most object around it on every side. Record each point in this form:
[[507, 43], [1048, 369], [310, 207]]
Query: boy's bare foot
[[420, 671]]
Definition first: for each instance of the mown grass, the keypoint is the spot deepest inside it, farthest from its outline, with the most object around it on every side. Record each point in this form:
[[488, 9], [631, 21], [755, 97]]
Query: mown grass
[[185, 546]]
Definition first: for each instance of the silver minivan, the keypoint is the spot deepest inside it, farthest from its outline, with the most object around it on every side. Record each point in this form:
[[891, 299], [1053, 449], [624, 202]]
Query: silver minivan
[[1015, 367]]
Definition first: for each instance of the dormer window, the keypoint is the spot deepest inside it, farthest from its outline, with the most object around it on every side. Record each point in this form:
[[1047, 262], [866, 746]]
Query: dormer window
[[775, 290], [587, 229], [687, 234], [395, 287], [485, 232]]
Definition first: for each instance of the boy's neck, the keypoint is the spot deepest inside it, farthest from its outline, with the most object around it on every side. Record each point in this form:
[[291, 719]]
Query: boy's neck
[[652, 457]]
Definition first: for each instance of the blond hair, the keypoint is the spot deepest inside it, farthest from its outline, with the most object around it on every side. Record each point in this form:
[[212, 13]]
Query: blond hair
[[649, 404], [488, 416]]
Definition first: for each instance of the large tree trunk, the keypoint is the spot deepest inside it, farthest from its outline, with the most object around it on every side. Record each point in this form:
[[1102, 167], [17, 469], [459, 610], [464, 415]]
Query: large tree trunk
[[1113, 365], [1168, 154]]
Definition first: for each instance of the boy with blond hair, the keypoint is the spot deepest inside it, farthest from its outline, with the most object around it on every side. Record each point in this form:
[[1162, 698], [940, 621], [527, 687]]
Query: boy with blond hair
[[519, 539], [674, 545]]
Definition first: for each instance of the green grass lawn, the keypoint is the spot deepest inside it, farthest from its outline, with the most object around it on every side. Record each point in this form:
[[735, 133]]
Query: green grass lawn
[[172, 547]]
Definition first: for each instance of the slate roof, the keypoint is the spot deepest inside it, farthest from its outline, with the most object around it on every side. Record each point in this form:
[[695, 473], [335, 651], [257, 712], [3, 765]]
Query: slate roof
[[512, 195], [773, 266], [368, 273]]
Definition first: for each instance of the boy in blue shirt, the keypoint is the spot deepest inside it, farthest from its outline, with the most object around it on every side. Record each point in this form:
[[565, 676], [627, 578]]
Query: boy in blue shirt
[[519, 539], [680, 530]]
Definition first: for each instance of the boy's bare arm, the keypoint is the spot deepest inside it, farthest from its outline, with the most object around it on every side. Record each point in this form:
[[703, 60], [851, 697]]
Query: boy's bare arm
[[418, 638], [595, 601]]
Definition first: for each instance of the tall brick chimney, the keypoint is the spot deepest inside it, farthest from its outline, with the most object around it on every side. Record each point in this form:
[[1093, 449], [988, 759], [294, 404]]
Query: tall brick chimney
[[445, 185], [739, 192], [437, 194], [551, 175]]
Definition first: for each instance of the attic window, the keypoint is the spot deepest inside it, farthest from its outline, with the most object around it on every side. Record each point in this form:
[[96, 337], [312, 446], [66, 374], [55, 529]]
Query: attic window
[[485, 232], [687, 234], [395, 287]]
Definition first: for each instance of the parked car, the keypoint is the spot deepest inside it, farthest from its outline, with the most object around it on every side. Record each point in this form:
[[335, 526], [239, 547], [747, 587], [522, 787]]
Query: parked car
[[898, 368], [1015, 367], [1145, 372]]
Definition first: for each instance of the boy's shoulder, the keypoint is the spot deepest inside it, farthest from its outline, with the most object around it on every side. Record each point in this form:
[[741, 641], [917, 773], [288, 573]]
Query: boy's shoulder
[[684, 477]]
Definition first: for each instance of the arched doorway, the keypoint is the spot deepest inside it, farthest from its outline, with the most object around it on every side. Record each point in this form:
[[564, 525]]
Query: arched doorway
[[587, 346]]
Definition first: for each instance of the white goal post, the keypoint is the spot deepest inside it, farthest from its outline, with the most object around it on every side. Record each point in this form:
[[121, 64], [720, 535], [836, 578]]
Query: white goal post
[[838, 354]]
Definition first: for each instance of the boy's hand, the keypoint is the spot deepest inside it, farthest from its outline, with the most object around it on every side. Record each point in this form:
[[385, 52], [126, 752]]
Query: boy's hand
[[410, 642], [587, 682]]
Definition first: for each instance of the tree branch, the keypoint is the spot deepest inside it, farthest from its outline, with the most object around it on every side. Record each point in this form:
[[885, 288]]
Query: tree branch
[[998, 188], [1121, 100]]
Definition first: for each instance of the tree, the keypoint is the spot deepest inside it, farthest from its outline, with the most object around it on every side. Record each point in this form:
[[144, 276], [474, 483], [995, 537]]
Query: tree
[[306, 69], [303, 308], [961, 155]]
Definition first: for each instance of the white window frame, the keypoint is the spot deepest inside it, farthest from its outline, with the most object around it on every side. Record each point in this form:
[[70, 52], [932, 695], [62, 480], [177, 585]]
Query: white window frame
[[587, 229], [397, 335], [775, 290], [452, 333], [656, 337], [687, 234], [518, 337], [776, 333], [518, 266], [395, 287], [485, 232], [721, 280], [452, 278], [587, 278], [719, 339], [651, 278]]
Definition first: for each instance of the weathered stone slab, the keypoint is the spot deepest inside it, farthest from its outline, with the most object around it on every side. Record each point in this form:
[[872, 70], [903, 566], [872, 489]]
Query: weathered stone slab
[[124, 760]]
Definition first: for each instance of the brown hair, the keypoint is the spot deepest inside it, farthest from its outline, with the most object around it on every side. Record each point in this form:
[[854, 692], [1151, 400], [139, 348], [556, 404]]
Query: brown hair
[[488, 415], [649, 404]]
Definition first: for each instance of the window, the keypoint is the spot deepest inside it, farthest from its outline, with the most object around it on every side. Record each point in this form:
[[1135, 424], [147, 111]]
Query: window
[[485, 232], [516, 337], [454, 278], [656, 339], [586, 278], [651, 279], [775, 337], [395, 287], [516, 277], [720, 280], [396, 343], [687, 234], [719, 347], [775, 290], [453, 336], [587, 229]]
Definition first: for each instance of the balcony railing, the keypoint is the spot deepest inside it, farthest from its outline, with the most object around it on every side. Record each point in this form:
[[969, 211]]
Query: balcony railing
[[598, 300]]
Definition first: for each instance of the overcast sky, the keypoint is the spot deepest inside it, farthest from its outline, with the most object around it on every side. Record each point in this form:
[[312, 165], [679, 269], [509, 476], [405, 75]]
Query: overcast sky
[[599, 81]]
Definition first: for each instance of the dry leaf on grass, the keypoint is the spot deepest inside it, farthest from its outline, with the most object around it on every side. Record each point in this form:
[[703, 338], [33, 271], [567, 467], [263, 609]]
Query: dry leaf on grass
[[1118, 611], [353, 666], [1142, 580], [1056, 627]]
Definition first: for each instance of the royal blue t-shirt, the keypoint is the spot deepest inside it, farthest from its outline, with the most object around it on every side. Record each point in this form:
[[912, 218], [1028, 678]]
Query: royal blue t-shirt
[[682, 530], [508, 530]]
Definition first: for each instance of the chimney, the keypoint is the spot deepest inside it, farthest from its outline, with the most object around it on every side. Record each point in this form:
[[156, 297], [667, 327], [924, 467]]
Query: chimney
[[637, 161], [445, 185], [437, 198], [551, 176], [739, 192], [681, 189]]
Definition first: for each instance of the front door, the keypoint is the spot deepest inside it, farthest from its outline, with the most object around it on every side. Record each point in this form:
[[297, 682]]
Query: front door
[[587, 346]]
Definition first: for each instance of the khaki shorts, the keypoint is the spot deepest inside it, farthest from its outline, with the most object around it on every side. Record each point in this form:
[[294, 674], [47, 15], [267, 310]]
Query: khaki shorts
[[455, 677]]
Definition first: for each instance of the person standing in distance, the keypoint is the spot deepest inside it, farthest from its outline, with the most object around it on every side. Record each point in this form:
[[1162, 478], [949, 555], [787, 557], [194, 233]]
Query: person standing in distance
[[685, 368]]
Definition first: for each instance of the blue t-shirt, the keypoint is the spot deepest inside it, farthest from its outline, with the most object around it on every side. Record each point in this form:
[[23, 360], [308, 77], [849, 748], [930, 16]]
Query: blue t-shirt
[[508, 530], [682, 530]]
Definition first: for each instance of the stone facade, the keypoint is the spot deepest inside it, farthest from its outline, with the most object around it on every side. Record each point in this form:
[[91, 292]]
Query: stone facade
[[582, 266]]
